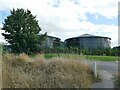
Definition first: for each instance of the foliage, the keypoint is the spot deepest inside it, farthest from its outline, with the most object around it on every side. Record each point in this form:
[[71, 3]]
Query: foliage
[[21, 29], [56, 42], [42, 40], [117, 81], [115, 51]]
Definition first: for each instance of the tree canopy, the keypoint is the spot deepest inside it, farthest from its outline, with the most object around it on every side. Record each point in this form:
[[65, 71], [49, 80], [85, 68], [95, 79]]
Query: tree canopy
[[21, 29], [56, 42]]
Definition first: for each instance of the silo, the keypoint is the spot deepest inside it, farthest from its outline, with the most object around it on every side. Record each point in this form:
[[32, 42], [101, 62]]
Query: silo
[[89, 41]]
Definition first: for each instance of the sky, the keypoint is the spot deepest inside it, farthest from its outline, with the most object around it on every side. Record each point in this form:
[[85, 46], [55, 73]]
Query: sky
[[69, 18]]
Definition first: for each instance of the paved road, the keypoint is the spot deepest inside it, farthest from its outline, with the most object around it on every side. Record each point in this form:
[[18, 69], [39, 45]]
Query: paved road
[[106, 71]]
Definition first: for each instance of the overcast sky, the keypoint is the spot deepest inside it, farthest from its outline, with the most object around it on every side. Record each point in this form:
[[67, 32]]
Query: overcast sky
[[69, 18]]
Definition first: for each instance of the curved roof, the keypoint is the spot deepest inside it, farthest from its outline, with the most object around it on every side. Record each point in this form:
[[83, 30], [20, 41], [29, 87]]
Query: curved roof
[[89, 35]]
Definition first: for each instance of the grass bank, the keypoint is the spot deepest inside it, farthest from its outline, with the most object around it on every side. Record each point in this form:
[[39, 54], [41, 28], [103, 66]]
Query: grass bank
[[102, 58], [82, 57], [21, 71]]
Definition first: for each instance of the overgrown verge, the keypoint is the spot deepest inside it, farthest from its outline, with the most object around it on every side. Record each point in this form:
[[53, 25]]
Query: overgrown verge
[[117, 82], [1, 47], [23, 72]]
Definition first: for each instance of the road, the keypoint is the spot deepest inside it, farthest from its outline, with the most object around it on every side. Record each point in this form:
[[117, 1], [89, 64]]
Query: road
[[106, 70]]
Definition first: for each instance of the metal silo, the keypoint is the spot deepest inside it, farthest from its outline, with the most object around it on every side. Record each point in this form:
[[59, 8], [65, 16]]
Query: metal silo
[[89, 41]]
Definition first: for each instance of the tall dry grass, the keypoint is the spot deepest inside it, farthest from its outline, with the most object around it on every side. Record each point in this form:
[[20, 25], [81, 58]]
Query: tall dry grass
[[23, 72], [1, 47]]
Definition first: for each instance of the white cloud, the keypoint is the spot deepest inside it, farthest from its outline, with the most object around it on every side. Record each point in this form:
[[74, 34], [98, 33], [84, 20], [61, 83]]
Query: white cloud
[[2, 40], [69, 18], [81, 28]]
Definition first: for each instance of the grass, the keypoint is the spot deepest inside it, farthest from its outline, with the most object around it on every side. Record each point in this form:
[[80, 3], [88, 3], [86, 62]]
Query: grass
[[117, 81], [83, 57], [0, 66], [1, 47], [102, 58], [48, 56], [22, 71], [97, 79], [66, 56]]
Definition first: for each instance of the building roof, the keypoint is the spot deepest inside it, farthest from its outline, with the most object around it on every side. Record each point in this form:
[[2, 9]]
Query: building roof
[[48, 36], [88, 35], [52, 36]]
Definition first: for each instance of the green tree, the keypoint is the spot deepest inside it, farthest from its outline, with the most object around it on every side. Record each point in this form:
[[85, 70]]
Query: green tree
[[21, 29], [42, 41], [56, 42], [115, 51]]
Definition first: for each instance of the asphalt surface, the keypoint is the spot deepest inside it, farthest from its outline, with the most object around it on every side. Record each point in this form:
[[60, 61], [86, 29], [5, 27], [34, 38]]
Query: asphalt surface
[[106, 71]]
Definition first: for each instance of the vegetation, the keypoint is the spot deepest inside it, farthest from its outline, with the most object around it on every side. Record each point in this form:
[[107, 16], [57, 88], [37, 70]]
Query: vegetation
[[102, 58], [1, 47], [56, 43], [21, 71], [64, 69], [42, 40], [21, 29], [48, 56], [97, 79], [21, 32], [74, 50], [83, 57], [115, 51], [117, 81]]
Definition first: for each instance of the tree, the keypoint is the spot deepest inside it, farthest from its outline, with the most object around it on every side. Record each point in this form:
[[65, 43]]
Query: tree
[[21, 29], [42, 41], [115, 51], [56, 42]]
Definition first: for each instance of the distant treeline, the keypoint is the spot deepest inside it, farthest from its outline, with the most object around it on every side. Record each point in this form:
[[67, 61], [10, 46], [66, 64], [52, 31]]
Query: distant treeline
[[115, 51]]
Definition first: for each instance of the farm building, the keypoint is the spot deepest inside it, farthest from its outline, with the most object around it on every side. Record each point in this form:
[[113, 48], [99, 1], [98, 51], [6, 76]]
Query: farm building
[[89, 41], [51, 41]]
